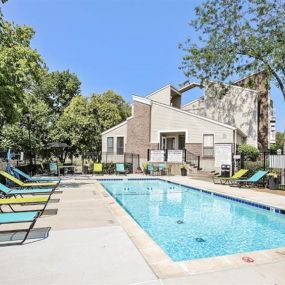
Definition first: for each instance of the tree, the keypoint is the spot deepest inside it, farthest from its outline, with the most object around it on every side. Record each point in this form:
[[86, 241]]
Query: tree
[[84, 119], [280, 141], [236, 37], [57, 89], [248, 151], [20, 65]]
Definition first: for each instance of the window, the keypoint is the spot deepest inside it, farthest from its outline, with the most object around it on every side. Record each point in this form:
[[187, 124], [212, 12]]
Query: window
[[110, 145], [120, 145], [208, 145]]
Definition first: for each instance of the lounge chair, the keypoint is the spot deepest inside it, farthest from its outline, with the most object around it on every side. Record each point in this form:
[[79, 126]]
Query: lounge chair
[[161, 168], [8, 192], [22, 184], [34, 179], [150, 169], [53, 169], [120, 168], [230, 180], [97, 168], [35, 200], [253, 180], [16, 218]]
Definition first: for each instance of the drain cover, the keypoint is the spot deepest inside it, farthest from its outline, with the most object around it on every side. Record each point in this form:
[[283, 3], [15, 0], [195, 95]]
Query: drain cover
[[180, 222], [199, 239]]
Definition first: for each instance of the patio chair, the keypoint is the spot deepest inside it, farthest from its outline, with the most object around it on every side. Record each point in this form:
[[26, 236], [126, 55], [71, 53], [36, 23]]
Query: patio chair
[[35, 200], [150, 169], [162, 168], [53, 169], [17, 218], [97, 168], [8, 192], [230, 180], [253, 180], [120, 168], [34, 179], [22, 184]]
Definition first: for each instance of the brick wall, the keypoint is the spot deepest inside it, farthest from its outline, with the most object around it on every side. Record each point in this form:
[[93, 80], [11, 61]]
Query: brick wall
[[195, 148], [138, 130]]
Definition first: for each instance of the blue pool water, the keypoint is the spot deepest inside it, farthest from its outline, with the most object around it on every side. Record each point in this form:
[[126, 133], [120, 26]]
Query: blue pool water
[[189, 224]]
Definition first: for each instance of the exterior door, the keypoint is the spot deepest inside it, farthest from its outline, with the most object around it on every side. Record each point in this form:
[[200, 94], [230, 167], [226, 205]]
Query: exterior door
[[170, 143], [181, 142]]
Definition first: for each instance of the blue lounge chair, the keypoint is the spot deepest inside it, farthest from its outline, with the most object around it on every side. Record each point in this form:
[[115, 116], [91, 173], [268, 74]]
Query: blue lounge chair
[[34, 179], [31, 191], [161, 168], [253, 180], [120, 168], [150, 169], [53, 169], [16, 218]]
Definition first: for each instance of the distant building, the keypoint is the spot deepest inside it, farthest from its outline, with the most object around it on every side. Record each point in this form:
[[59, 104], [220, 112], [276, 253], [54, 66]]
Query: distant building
[[211, 128]]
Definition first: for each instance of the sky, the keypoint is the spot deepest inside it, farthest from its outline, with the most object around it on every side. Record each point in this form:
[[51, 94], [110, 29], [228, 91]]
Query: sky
[[129, 46]]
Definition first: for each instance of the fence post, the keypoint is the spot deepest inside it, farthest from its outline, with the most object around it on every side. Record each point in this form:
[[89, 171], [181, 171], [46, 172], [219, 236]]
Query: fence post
[[166, 154], [148, 150], [198, 167], [185, 155], [264, 155]]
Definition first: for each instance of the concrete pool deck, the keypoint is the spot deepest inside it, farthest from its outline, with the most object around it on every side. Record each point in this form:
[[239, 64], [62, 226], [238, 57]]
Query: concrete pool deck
[[89, 243]]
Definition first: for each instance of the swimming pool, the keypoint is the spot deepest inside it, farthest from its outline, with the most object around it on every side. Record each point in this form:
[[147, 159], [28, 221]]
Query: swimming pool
[[190, 224]]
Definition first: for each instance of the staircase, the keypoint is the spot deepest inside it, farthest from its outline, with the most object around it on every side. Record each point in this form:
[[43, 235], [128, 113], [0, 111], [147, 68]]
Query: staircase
[[193, 161]]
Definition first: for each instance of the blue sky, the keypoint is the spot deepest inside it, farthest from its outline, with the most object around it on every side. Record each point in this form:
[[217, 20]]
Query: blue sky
[[129, 46]]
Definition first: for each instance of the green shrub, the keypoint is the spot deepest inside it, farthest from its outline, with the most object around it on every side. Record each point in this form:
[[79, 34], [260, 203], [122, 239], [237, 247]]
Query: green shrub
[[248, 151]]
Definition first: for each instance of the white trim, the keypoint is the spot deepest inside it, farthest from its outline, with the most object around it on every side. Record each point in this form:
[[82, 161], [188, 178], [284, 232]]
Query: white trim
[[164, 87], [208, 134], [115, 127], [189, 86], [142, 100], [171, 131], [194, 115], [240, 132], [194, 101]]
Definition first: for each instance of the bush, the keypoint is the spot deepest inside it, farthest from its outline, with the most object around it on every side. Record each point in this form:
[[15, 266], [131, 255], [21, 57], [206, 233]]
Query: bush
[[248, 151]]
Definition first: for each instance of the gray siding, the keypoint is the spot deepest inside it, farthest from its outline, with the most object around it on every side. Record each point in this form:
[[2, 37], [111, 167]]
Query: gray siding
[[165, 119], [120, 131]]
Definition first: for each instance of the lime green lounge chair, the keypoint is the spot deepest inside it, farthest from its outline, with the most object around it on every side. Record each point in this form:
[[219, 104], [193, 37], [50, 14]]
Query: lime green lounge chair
[[29, 178], [120, 168], [97, 168], [22, 184], [230, 180], [254, 180], [36, 200], [18, 218]]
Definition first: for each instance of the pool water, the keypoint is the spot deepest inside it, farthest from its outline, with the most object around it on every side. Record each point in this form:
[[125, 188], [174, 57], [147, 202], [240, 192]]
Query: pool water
[[189, 224]]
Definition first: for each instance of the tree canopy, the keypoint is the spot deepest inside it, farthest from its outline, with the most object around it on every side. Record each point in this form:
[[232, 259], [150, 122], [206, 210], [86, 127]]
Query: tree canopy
[[237, 37], [20, 65], [57, 89]]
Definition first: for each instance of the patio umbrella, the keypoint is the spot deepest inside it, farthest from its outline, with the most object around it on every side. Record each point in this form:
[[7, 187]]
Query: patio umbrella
[[9, 155]]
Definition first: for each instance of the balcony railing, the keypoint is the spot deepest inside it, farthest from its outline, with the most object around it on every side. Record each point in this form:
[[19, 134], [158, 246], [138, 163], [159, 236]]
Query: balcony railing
[[174, 155]]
